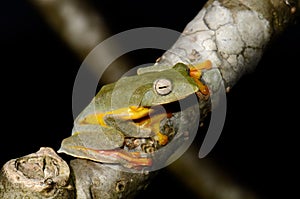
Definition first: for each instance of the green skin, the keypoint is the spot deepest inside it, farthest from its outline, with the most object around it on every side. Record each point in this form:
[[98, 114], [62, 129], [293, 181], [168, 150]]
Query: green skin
[[103, 143]]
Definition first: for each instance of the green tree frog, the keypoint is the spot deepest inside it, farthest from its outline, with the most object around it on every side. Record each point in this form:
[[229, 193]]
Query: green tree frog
[[126, 115]]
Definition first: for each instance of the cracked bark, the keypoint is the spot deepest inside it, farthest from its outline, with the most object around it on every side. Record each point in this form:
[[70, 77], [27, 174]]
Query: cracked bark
[[233, 35]]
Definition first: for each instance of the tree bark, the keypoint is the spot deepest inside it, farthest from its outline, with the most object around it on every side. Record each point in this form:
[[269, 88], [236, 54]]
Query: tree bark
[[232, 34], [39, 175]]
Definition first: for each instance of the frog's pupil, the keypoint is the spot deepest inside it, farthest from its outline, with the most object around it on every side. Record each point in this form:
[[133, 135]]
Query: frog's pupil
[[162, 87]]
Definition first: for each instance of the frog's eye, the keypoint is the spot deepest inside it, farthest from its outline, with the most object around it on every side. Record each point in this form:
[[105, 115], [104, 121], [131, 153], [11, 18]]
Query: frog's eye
[[162, 86]]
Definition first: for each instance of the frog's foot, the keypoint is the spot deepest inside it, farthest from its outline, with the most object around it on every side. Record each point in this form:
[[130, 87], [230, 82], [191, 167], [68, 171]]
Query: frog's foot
[[161, 138]]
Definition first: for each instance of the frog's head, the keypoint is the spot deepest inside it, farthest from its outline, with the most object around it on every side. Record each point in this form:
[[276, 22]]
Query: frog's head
[[149, 89], [169, 86]]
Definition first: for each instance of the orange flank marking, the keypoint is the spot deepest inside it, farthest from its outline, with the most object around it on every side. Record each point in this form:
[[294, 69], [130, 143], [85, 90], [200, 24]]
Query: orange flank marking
[[134, 159]]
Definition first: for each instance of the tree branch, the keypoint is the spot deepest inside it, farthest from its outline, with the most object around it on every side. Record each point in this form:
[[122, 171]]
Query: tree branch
[[232, 34]]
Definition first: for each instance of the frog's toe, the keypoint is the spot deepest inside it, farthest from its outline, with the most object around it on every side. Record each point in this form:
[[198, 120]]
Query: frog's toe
[[161, 138]]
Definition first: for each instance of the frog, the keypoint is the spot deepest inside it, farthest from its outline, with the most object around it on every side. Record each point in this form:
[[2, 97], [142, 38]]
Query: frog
[[130, 108]]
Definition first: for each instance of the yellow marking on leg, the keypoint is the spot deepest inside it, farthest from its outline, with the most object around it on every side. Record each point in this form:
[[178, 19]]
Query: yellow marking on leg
[[128, 113]]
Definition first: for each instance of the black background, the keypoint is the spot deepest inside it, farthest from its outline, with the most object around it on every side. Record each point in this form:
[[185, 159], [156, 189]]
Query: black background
[[258, 146]]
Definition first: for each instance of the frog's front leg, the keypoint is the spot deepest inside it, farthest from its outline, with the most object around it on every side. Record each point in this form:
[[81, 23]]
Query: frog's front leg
[[137, 122], [128, 127], [154, 124], [122, 119], [144, 127], [126, 113], [195, 71]]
